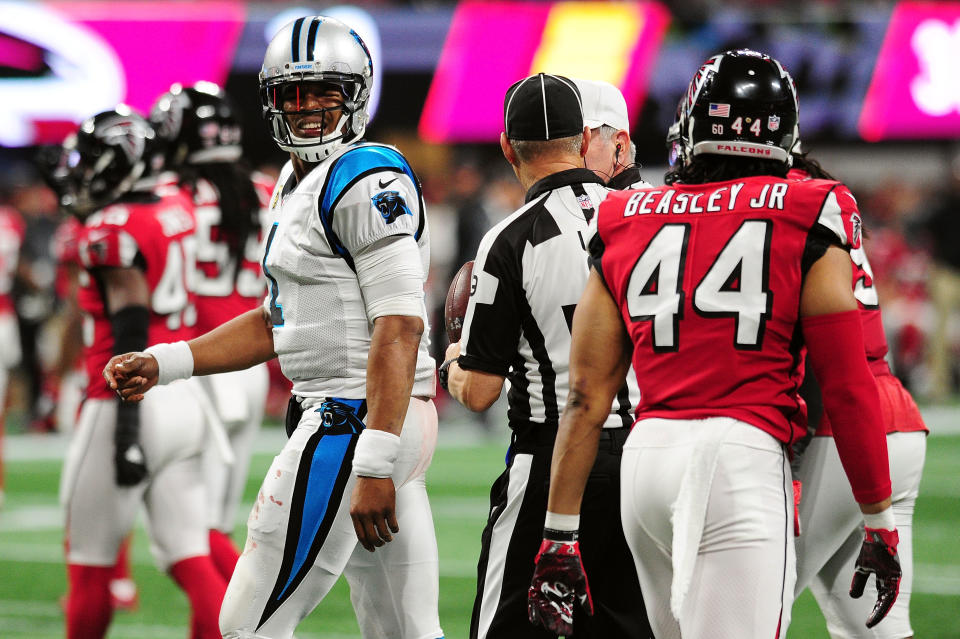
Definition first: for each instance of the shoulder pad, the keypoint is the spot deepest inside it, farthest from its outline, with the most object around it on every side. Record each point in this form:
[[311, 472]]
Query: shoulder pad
[[359, 162]]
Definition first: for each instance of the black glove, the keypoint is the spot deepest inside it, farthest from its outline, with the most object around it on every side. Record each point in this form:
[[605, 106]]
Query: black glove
[[558, 579], [878, 555], [129, 461]]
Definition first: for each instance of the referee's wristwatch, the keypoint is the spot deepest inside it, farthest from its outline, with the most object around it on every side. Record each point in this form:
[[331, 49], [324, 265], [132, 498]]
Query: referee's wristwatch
[[443, 373]]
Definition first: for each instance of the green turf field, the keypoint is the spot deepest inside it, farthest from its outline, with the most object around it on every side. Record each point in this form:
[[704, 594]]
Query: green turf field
[[32, 575]]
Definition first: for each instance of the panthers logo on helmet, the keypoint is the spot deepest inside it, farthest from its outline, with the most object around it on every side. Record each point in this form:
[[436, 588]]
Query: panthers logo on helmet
[[391, 205]]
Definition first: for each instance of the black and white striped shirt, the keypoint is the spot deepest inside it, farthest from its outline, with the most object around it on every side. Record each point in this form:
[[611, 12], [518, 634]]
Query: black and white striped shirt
[[529, 274]]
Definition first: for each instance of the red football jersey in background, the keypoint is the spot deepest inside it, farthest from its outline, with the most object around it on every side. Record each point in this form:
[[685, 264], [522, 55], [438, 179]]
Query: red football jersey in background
[[708, 279], [156, 235], [900, 412], [223, 290], [12, 230]]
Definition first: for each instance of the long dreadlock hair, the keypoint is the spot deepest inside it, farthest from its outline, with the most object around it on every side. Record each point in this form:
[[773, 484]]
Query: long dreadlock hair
[[719, 168], [239, 203]]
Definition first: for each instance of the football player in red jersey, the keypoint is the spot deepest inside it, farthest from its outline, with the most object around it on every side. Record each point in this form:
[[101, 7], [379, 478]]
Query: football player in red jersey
[[711, 286], [201, 135], [136, 252], [827, 547], [11, 238], [68, 376]]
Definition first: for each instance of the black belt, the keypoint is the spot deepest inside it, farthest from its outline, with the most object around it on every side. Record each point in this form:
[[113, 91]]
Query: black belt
[[528, 437], [341, 411]]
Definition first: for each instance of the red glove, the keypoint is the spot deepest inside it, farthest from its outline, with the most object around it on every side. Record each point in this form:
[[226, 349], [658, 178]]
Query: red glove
[[878, 555], [558, 580]]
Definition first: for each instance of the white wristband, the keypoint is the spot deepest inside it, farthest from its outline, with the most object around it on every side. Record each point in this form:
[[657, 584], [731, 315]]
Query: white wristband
[[174, 361], [563, 523], [883, 520], [375, 453]]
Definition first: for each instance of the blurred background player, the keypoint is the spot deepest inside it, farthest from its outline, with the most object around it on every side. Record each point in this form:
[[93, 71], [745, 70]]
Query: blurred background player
[[346, 258], [529, 273], [11, 239], [133, 293], [67, 378], [201, 137], [830, 532], [612, 154], [704, 285]]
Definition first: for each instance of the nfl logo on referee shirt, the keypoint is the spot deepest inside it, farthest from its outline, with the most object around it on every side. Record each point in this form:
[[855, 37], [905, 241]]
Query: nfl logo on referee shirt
[[585, 202], [719, 110]]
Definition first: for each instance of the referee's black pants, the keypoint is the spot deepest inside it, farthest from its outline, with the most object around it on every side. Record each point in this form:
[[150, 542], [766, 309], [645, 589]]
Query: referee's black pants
[[514, 530]]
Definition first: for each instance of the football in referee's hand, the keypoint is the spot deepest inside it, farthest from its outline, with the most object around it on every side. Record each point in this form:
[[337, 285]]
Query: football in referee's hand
[[458, 296]]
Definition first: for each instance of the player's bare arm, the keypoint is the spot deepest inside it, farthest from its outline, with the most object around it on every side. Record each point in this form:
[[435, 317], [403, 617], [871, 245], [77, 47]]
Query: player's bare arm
[[599, 359], [477, 390], [242, 342], [391, 365]]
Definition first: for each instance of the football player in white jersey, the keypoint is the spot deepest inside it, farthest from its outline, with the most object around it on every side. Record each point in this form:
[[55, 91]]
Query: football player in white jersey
[[346, 259]]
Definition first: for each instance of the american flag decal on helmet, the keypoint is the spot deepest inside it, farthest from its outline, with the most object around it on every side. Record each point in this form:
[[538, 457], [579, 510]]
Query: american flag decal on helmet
[[719, 110]]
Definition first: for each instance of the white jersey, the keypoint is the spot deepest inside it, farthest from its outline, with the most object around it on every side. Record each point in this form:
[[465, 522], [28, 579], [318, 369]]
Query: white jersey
[[321, 332]]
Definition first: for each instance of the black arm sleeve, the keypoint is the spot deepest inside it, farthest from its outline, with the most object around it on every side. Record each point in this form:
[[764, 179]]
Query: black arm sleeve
[[129, 328]]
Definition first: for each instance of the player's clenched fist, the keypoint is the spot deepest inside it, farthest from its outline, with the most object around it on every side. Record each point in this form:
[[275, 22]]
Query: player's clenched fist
[[131, 375]]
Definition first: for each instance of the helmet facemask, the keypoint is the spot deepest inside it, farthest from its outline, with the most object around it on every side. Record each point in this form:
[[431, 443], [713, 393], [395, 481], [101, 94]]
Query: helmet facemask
[[352, 114]]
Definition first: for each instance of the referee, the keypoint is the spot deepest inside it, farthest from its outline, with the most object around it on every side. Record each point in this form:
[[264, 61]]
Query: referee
[[612, 155], [528, 276]]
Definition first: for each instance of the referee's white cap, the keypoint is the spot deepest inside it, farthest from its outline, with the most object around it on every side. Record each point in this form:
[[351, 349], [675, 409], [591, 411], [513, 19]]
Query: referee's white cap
[[603, 103]]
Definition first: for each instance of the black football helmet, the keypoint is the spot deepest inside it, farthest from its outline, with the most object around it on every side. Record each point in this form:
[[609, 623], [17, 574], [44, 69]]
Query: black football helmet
[[104, 159], [741, 103], [196, 125]]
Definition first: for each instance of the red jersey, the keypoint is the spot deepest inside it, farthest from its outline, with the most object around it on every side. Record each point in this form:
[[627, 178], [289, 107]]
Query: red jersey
[[155, 235], [899, 411], [12, 230], [223, 290], [707, 279]]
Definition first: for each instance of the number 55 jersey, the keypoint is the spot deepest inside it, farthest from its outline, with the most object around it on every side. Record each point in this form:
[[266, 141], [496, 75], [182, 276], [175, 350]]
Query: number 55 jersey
[[707, 273], [152, 232]]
